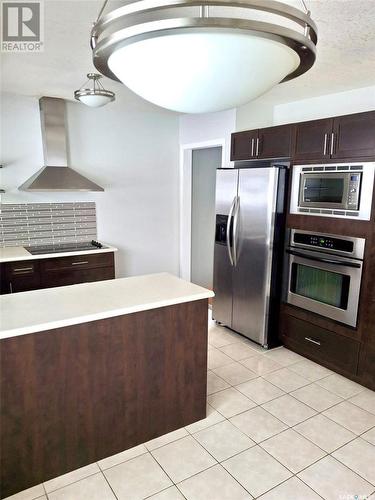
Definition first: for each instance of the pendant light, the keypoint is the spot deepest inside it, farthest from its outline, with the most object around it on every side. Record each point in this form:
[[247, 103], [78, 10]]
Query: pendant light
[[203, 56], [96, 95]]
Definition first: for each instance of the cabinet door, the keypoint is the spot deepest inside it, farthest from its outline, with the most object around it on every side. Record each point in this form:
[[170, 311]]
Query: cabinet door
[[275, 142], [243, 145], [313, 140], [354, 136], [20, 276], [65, 277]]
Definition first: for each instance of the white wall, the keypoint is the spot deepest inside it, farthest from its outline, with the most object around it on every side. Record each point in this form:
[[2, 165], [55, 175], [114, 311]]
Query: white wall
[[128, 147], [209, 127], [342, 103]]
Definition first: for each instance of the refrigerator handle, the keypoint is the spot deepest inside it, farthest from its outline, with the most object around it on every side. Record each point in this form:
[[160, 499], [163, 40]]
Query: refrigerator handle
[[229, 224], [235, 229]]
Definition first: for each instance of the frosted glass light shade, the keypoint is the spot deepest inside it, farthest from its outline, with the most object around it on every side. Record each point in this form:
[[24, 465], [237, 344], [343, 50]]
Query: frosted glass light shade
[[95, 101], [197, 72]]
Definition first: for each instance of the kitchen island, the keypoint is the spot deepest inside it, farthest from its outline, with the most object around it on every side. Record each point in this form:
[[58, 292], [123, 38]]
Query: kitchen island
[[90, 370]]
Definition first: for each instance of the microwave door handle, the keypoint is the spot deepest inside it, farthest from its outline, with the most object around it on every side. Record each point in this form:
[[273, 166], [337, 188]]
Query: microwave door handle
[[324, 259], [229, 225]]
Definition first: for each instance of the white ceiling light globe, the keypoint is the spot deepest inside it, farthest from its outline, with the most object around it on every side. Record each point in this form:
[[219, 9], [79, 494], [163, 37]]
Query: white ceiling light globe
[[196, 72], [95, 101]]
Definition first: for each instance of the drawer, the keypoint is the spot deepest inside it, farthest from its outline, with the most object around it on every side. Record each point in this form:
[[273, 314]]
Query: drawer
[[87, 261], [63, 277], [320, 344], [20, 276], [22, 268]]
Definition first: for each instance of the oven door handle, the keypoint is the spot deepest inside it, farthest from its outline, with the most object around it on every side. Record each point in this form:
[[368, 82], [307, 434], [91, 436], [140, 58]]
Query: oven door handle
[[324, 259]]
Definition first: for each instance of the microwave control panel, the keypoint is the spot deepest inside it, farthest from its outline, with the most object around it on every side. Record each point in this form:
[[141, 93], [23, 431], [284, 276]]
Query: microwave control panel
[[354, 189]]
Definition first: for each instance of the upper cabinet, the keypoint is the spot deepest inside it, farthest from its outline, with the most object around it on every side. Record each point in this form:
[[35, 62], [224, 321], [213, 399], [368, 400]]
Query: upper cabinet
[[271, 142], [341, 137], [313, 140], [354, 136]]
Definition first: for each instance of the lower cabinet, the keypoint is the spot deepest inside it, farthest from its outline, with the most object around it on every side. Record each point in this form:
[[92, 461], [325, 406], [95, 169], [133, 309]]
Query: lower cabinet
[[321, 345], [366, 368], [58, 271]]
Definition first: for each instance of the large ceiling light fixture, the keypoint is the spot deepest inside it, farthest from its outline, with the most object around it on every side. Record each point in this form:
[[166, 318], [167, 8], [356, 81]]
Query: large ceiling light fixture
[[202, 56]]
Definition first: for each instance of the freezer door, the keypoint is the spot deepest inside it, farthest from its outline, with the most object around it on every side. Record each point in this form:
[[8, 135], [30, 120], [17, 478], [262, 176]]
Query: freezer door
[[253, 234], [226, 195]]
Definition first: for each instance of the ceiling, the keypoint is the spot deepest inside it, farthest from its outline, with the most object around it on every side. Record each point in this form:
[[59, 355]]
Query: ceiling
[[346, 52]]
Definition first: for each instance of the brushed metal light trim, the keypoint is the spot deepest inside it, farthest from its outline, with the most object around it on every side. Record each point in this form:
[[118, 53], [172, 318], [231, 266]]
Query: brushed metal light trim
[[87, 92], [304, 47], [147, 6]]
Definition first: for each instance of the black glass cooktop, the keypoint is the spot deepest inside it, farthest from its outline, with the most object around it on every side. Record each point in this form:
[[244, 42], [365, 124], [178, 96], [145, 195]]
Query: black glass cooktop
[[65, 247]]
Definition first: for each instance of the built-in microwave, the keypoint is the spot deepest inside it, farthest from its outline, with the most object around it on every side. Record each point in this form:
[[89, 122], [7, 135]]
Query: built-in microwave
[[343, 190]]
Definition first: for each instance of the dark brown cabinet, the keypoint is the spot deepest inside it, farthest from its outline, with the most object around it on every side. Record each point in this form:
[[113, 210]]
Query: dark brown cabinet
[[243, 145], [270, 142], [313, 140], [354, 136], [341, 137], [58, 271]]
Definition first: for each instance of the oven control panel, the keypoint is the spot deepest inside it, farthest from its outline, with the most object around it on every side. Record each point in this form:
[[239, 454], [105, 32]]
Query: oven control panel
[[322, 241]]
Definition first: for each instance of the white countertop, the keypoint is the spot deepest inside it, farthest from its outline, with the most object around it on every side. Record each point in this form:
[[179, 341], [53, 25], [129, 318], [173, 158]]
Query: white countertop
[[39, 310], [12, 254]]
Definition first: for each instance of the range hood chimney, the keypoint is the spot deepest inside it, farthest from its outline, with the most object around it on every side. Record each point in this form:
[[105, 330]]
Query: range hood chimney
[[56, 175]]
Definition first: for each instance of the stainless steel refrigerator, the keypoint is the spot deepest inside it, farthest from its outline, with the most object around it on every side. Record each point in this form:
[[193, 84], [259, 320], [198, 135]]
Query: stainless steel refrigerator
[[248, 255]]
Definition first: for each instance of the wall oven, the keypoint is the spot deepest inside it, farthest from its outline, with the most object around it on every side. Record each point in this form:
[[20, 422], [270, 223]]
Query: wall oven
[[324, 274], [343, 190]]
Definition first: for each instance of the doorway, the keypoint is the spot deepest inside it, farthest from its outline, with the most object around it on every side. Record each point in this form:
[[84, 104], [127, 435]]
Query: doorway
[[204, 164]]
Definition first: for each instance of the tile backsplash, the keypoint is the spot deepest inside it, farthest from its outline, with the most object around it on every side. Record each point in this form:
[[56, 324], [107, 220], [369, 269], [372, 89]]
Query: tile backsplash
[[27, 224]]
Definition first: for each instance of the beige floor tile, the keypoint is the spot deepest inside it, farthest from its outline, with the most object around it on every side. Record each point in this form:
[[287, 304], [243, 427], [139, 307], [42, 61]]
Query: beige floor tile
[[256, 470], [230, 402], [325, 433], [215, 383], [317, 397], [253, 345], [93, 487], [350, 416], [235, 373], [289, 410], [219, 336], [310, 370], [293, 450], [183, 458], [71, 477], [29, 494], [284, 356], [217, 358], [286, 379], [341, 386], [213, 417], [261, 364], [258, 424], [260, 391], [166, 438], [137, 478], [332, 480], [238, 351], [122, 457], [358, 455], [171, 493], [292, 489], [369, 436], [213, 484], [223, 440], [365, 400]]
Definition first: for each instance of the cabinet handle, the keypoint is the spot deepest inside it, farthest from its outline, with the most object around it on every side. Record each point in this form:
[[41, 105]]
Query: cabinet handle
[[257, 149], [252, 146], [325, 144], [79, 263], [332, 143], [10, 287], [22, 269], [309, 339]]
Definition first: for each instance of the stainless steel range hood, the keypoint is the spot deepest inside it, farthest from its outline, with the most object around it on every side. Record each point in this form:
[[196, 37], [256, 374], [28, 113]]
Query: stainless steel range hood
[[56, 175]]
